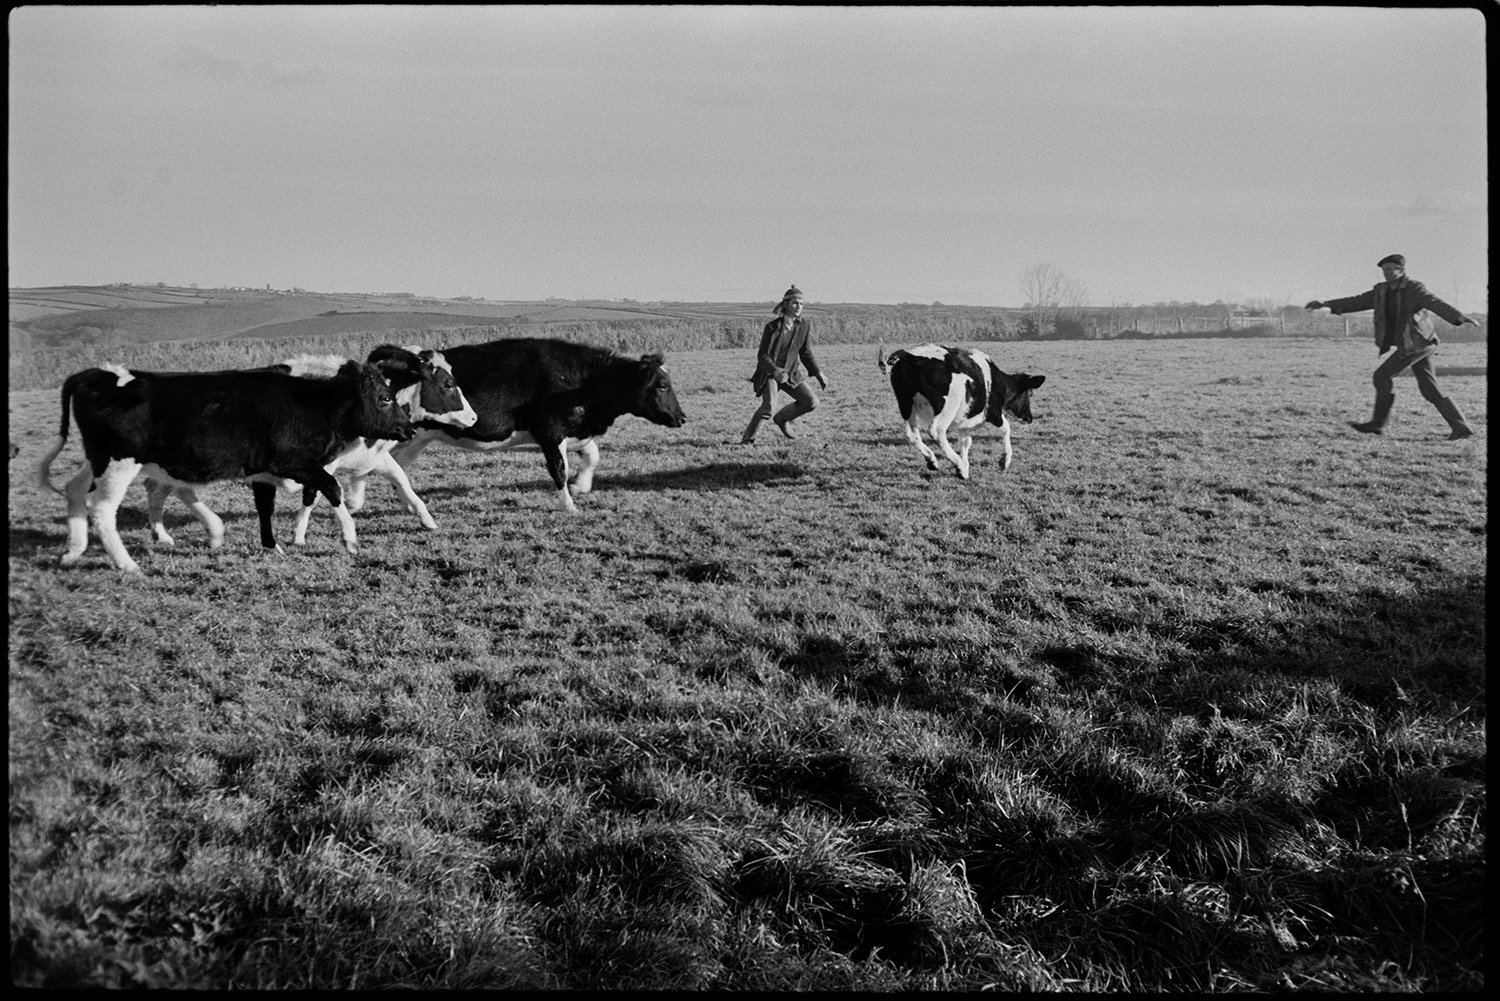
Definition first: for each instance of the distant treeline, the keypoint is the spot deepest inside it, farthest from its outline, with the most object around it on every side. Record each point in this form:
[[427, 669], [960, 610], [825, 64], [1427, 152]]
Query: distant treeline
[[34, 367]]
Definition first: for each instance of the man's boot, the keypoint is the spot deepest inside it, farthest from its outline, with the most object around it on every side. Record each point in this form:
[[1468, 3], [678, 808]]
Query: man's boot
[[1376, 424], [1454, 417]]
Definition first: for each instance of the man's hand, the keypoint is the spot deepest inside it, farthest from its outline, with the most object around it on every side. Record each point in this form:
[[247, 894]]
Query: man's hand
[[1468, 319], [823, 383], [1315, 304]]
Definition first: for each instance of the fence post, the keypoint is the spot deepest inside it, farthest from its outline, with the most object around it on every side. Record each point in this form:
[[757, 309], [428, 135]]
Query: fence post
[[1346, 326]]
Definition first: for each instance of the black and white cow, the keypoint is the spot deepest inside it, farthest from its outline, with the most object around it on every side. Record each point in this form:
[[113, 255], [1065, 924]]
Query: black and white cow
[[424, 386], [187, 429], [554, 395], [956, 390]]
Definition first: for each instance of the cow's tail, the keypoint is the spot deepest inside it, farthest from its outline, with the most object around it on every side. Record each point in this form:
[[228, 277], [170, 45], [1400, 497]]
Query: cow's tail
[[44, 464]]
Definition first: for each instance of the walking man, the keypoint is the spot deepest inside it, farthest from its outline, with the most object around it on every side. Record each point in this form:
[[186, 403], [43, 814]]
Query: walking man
[[1402, 317]]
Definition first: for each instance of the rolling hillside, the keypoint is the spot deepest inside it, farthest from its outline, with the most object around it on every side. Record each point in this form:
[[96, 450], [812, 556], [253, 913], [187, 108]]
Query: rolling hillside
[[71, 315]]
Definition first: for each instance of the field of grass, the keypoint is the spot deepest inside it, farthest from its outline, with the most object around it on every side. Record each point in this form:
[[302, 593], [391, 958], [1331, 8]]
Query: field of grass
[[1190, 698]]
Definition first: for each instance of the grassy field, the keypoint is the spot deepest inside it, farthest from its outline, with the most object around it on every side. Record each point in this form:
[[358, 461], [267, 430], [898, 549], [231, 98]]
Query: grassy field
[[1190, 698]]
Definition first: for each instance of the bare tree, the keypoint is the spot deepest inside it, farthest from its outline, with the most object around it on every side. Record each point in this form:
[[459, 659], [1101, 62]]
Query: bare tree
[[1049, 293]]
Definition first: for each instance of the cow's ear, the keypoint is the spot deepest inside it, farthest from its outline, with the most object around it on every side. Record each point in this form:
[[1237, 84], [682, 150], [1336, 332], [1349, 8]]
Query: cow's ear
[[390, 357], [653, 361], [1037, 380], [399, 366]]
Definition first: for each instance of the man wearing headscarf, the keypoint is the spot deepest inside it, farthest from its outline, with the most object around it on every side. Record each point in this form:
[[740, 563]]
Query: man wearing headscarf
[[1402, 317], [785, 349]]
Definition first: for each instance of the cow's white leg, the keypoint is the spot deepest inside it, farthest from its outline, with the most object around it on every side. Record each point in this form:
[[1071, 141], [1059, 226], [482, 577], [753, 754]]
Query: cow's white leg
[[914, 435], [557, 465], [77, 493], [109, 490], [963, 448], [299, 530], [354, 491], [940, 433], [391, 470], [583, 480], [156, 505], [1005, 444], [211, 522], [346, 525]]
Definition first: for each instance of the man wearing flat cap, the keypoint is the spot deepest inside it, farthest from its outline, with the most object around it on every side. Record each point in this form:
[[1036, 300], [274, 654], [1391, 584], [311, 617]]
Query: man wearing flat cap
[[785, 349], [1403, 310]]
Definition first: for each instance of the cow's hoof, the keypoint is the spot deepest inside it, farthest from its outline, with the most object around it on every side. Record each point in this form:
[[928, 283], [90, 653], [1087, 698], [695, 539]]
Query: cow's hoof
[[68, 559], [216, 543]]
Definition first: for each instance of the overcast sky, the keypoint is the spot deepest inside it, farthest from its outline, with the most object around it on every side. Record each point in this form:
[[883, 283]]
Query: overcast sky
[[868, 154]]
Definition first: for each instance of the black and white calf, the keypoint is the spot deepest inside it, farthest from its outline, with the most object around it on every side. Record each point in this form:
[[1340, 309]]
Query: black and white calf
[[554, 395], [425, 389], [954, 390], [187, 429]]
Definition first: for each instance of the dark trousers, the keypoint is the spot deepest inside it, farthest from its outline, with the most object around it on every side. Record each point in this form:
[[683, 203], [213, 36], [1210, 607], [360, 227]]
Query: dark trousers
[[804, 400], [1420, 363]]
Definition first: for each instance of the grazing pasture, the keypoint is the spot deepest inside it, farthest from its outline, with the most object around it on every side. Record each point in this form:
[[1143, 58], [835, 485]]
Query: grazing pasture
[[1189, 698]]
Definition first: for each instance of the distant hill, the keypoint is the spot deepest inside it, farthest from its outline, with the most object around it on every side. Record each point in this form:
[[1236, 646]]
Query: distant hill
[[134, 314], [100, 317]]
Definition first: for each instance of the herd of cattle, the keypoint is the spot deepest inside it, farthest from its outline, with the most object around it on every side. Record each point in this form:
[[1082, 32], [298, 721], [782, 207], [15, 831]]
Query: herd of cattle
[[303, 424]]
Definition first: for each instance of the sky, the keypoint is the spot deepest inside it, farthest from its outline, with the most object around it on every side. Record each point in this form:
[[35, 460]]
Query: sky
[[876, 154]]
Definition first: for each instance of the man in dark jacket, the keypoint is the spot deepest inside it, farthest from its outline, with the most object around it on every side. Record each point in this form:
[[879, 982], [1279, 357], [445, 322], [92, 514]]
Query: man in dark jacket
[[785, 348], [1403, 311]]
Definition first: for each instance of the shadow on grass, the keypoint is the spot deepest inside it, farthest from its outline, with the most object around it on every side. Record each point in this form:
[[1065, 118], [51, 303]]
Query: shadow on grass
[[1415, 654], [714, 476], [1420, 653]]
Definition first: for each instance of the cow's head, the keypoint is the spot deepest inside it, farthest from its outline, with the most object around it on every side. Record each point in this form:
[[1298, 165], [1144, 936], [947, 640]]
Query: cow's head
[[1013, 394], [657, 401], [424, 384], [376, 414]]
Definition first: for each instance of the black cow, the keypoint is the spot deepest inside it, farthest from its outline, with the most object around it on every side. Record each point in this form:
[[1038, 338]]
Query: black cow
[[956, 389], [188, 429], [555, 395], [423, 385]]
